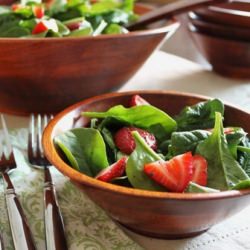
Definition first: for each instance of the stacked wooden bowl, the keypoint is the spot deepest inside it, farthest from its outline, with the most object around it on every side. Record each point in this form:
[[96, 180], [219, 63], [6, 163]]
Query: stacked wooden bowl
[[222, 34]]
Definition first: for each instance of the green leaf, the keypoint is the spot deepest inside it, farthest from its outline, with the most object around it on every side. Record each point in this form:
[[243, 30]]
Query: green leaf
[[242, 185], [182, 142], [145, 116], [224, 171], [199, 116], [196, 188], [84, 149], [115, 29], [244, 155], [234, 139], [9, 26], [84, 30], [134, 169]]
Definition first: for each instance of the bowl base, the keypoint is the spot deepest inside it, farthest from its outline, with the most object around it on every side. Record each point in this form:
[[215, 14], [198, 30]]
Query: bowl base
[[232, 71], [164, 235]]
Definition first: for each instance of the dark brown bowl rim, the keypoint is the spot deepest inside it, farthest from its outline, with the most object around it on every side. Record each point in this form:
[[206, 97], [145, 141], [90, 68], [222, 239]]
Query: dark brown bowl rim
[[193, 17], [193, 29], [80, 178]]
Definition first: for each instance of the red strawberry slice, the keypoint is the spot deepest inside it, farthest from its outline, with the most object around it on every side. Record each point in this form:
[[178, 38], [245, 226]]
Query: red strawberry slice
[[199, 170], [126, 143], [174, 174], [38, 11], [137, 100], [113, 171]]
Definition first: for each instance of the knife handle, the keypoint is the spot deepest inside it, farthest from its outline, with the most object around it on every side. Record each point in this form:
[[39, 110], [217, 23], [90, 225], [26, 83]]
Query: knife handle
[[21, 234], [54, 226]]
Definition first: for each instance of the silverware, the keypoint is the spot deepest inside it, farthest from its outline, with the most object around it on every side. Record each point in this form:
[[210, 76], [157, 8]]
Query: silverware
[[21, 234], [54, 226]]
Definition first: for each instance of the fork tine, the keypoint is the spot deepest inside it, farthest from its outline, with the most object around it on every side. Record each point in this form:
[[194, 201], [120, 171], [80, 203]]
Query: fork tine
[[35, 149], [21, 233]]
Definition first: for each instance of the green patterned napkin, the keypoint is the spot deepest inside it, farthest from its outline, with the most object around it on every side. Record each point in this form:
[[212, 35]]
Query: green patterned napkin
[[87, 226]]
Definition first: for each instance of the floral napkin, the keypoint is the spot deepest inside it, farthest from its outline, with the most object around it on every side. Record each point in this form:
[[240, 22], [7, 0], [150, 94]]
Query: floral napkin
[[87, 226]]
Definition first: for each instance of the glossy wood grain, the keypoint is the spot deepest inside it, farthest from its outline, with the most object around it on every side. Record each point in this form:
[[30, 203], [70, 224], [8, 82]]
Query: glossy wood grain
[[219, 30], [227, 14], [45, 75], [158, 214], [230, 58], [169, 10]]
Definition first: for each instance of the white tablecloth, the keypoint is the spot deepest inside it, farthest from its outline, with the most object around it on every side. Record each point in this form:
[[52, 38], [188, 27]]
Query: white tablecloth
[[168, 72]]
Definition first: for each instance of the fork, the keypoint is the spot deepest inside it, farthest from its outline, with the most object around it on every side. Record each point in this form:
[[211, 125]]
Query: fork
[[54, 226], [20, 230]]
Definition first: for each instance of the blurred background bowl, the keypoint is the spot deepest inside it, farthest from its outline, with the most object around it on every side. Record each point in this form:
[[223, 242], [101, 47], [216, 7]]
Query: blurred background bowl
[[157, 214], [47, 74], [227, 57], [235, 13], [221, 34], [219, 30]]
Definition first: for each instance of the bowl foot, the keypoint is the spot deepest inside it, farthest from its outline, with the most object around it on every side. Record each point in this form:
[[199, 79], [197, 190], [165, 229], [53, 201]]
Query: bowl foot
[[232, 71], [164, 235]]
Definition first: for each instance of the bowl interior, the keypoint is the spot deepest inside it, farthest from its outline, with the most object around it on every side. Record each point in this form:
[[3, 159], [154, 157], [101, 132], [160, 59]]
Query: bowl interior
[[170, 102]]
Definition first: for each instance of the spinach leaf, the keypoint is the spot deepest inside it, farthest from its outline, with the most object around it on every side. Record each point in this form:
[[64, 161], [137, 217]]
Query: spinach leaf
[[224, 171], [134, 169], [145, 116], [234, 139], [196, 188], [199, 116], [9, 26], [114, 28], [244, 155], [182, 142], [242, 185], [84, 149]]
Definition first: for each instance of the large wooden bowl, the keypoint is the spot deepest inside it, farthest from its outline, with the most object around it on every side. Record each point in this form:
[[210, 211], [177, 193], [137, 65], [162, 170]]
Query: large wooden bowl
[[227, 57], [219, 30], [157, 214], [232, 14], [48, 74]]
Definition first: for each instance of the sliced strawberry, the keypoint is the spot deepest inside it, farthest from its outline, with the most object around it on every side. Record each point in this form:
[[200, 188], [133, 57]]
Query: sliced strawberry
[[126, 143], [16, 6], [199, 170], [39, 28], [174, 174], [113, 171], [38, 11], [137, 100], [44, 25], [228, 130]]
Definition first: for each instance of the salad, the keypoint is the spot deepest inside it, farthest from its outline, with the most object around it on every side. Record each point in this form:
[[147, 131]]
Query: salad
[[65, 18], [141, 146]]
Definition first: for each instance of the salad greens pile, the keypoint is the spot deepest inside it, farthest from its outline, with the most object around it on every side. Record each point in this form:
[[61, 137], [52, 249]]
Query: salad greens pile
[[197, 129], [65, 18]]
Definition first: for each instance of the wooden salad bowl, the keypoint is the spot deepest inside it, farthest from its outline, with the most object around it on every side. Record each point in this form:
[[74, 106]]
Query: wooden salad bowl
[[232, 14], [219, 30], [230, 58], [157, 214], [45, 75]]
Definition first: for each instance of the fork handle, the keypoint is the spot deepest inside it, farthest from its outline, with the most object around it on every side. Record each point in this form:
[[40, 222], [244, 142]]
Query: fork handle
[[54, 226], [22, 237]]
